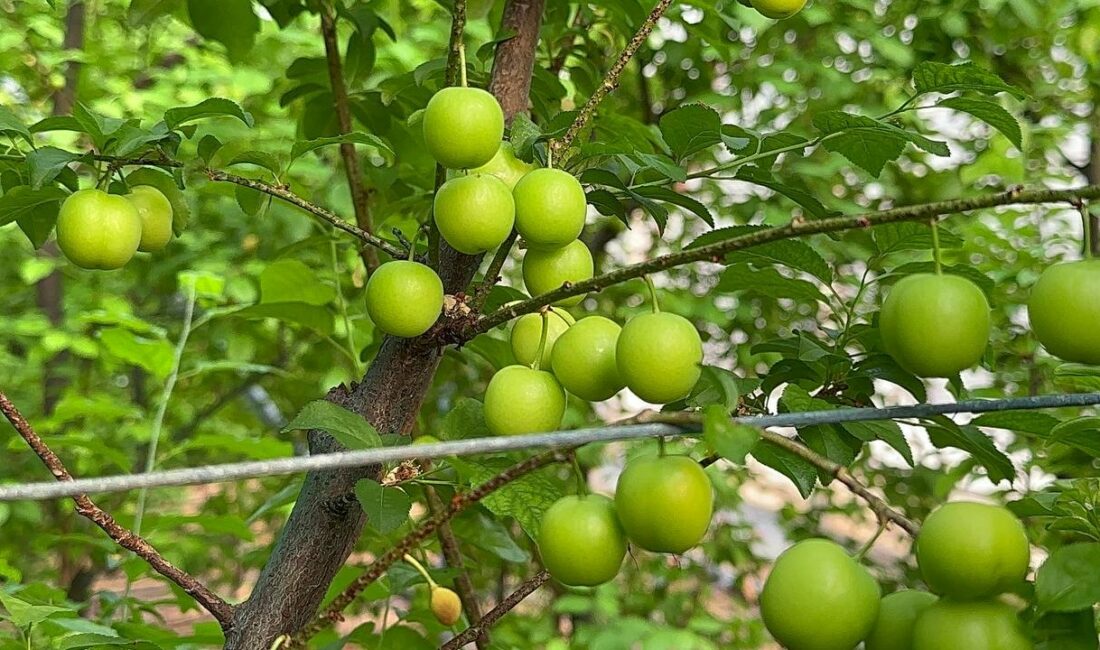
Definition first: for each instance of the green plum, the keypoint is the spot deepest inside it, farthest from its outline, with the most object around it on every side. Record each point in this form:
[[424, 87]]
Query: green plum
[[550, 208], [527, 332], [548, 269], [404, 298], [505, 166], [897, 613], [584, 359], [581, 541], [778, 9], [520, 399], [463, 127], [1065, 310], [659, 356], [474, 213], [156, 217], [97, 230], [664, 503], [975, 625]]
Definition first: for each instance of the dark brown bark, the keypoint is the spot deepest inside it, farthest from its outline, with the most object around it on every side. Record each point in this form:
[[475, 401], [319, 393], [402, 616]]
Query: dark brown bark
[[322, 529]]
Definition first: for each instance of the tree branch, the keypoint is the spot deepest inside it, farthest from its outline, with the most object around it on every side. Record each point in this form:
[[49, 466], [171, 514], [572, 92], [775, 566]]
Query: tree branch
[[453, 554], [85, 507], [360, 199], [492, 273], [281, 192], [796, 228], [459, 502], [498, 612], [611, 80]]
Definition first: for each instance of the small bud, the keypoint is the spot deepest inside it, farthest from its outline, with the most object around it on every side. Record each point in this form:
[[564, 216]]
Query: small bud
[[445, 605]]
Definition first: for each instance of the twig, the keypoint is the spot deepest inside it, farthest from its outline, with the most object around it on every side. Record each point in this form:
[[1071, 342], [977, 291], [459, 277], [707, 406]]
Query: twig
[[796, 228], [85, 507], [360, 199], [492, 274], [459, 502], [611, 80], [453, 554], [498, 612], [121, 162], [281, 192]]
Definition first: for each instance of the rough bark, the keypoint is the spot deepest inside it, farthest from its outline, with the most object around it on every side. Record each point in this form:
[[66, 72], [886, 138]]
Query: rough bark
[[324, 525]]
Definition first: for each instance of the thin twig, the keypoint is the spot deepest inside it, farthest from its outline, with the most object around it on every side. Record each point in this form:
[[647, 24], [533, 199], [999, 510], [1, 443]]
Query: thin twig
[[281, 192], [85, 507], [796, 228], [498, 612], [611, 80], [460, 502], [115, 160], [492, 274], [452, 552], [360, 199]]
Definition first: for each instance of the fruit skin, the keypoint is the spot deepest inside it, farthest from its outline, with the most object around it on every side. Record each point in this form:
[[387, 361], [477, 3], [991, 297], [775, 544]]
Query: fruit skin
[[523, 400], [446, 605], [527, 331], [181, 211], [550, 208], [659, 356], [664, 503], [1064, 310], [505, 166], [897, 613], [935, 325], [778, 9], [581, 541], [404, 298], [584, 359], [463, 127], [97, 230], [546, 270], [818, 598], [156, 217], [474, 213], [969, 551], [980, 625]]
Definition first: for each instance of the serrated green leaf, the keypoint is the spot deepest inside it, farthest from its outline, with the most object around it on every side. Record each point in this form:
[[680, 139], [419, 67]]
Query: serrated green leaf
[[767, 282], [357, 137], [930, 76], [690, 129], [9, 123], [801, 472], [728, 439], [682, 200], [989, 112], [23, 201], [1082, 433], [887, 431], [715, 386], [1032, 422], [466, 419], [270, 162], [174, 118], [45, 163], [525, 499], [24, 614], [971, 440], [1069, 580], [348, 428], [793, 253], [909, 236], [524, 134], [1066, 631], [387, 507], [867, 142], [758, 176], [208, 146]]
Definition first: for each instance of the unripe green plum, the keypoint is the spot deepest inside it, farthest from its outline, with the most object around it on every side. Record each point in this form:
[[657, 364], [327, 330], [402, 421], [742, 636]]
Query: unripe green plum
[[527, 332], [975, 625], [659, 356], [935, 325], [404, 298], [818, 598], [970, 551], [463, 127], [523, 400], [550, 208], [474, 213], [1065, 309], [546, 270], [580, 540], [505, 166], [584, 359], [778, 9], [97, 230], [664, 503], [897, 613], [156, 217]]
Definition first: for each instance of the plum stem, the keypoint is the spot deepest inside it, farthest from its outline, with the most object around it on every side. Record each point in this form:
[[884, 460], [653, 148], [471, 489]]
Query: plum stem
[[1086, 229], [462, 64], [874, 538], [652, 294], [936, 256], [420, 568], [661, 446], [537, 363], [582, 481]]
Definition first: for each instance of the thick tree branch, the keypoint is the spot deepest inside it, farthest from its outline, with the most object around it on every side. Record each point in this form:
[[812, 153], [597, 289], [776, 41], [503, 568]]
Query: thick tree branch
[[360, 199], [611, 80], [85, 507], [495, 614], [460, 502], [796, 228]]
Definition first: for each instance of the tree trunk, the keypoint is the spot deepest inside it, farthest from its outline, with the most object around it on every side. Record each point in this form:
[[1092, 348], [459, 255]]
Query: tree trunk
[[325, 524]]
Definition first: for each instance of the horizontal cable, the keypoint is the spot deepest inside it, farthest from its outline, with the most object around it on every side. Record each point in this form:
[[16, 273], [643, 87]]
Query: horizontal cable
[[257, 469]]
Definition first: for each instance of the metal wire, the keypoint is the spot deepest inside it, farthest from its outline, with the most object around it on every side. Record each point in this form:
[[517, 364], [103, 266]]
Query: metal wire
[[557, 439]]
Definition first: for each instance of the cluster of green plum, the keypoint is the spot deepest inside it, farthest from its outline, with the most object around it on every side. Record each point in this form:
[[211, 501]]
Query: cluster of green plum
[[662, 504], [97, 230], [936, 325], [817, 597]]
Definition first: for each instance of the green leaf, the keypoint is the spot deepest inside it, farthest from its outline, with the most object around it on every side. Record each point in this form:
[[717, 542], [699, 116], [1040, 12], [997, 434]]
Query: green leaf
[[1082, 433], [232, 23], [154, 355], [23, 201], [24, 614], [348, 428], [682, 200], [887, 431], [929, 77], [525, 499], [1066, 631], [38, 223], [466, 419], [9, 123], [690, 129], [1070, 579], [357, 137], [794, 253], [490, 535], [909, 236], [213, 107], [262, 159], [801, 472], [289, 280], [807, 201], [142, 12], [971, 440], [728, 439], [715, 386], [524, 135], [769, 283], [870, 143], [208, 146], [46, 163], [387, 507], [989, 112], [1032, 422]]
